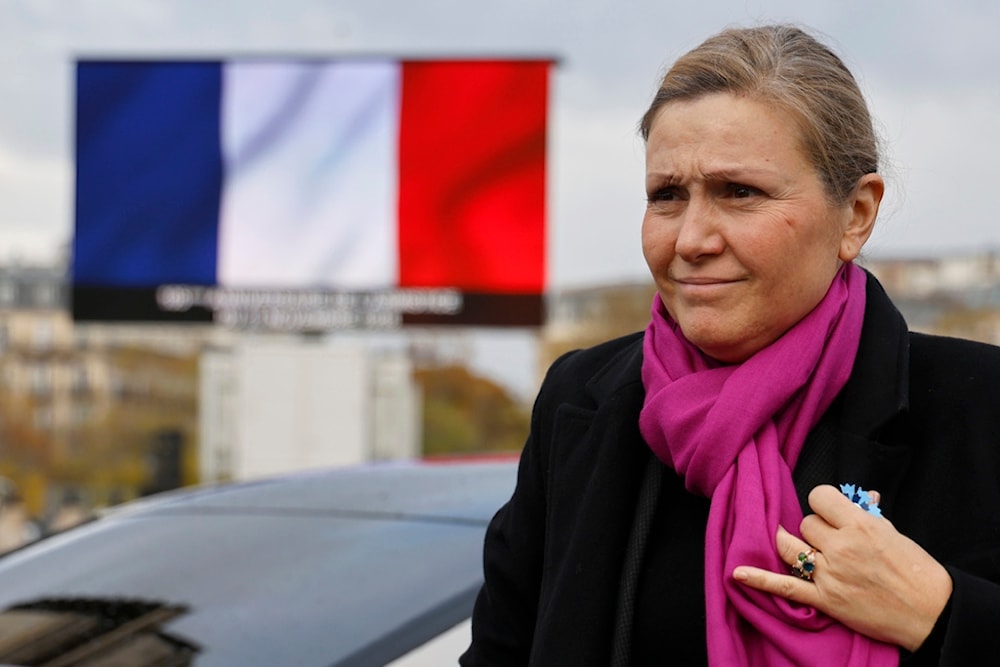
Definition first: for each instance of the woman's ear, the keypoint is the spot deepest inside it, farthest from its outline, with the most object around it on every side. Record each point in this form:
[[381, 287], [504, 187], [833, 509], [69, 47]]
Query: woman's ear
[[863, 209]]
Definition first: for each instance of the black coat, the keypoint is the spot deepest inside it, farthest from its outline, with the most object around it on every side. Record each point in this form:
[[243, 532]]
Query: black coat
[[918, 421]]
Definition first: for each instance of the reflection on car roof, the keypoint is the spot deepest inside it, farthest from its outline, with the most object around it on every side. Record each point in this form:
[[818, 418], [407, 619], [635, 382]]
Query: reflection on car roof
[[80, 632]]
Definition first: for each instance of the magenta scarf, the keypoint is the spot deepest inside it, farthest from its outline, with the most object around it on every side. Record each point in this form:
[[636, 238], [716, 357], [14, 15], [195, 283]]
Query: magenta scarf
[[734, 432]]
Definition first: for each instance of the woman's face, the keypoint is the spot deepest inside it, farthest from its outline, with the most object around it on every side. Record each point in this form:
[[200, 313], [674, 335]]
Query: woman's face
[[739, 234]]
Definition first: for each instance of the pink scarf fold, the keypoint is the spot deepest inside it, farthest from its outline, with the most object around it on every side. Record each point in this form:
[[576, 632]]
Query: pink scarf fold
[[734, 433]]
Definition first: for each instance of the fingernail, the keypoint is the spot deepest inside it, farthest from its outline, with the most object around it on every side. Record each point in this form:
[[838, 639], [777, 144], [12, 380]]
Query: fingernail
[[739, 574]]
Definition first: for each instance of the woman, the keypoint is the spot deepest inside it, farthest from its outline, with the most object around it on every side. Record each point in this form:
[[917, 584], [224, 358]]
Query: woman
[[695, 494]]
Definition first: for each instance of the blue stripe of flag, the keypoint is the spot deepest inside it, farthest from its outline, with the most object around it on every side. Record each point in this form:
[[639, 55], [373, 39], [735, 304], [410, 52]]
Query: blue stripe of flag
[[149, 175]]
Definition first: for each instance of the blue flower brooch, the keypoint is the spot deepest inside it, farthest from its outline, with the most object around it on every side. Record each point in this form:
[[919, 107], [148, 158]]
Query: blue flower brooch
[[863, 499]]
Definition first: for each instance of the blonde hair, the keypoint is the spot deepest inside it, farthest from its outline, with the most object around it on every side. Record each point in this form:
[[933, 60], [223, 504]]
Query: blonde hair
[[784, 66]]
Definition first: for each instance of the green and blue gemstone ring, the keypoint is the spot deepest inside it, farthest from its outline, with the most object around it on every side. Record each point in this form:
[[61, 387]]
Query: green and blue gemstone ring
[[805, 564]]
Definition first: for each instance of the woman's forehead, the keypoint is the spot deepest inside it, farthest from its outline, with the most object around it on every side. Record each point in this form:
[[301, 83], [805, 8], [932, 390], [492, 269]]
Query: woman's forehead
[[723, 134]]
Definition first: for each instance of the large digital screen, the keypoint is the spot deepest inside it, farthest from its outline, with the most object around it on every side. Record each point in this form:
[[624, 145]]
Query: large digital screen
[[311, 193]]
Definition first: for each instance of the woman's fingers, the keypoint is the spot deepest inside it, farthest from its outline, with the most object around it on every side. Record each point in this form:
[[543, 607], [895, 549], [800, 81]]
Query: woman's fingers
[[833, 506], [784, 584], [866, 574], [790, 548]]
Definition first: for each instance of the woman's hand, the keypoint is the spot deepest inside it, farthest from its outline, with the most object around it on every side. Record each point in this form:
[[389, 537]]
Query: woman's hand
[[868, 576]]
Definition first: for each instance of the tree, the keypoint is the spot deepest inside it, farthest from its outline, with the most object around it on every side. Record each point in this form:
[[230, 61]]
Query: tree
[[467, 414]]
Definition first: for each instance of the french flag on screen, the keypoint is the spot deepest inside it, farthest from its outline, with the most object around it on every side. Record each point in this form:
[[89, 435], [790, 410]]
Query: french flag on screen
[[353, 174]]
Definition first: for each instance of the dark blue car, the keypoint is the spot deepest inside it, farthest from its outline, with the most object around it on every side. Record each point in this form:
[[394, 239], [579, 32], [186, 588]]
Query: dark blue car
[[352, 566]]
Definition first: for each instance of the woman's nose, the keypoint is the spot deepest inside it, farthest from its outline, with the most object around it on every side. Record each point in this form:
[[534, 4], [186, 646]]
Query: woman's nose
[[699, 235]]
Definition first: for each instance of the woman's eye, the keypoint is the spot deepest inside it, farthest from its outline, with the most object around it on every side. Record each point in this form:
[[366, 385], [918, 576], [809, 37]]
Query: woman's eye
[[742, 191], [664, 195]]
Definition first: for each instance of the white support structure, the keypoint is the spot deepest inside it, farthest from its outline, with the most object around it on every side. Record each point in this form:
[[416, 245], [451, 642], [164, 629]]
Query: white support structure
[[276, 407]]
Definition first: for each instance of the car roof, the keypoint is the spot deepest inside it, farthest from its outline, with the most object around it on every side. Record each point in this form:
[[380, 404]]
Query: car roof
[[350, 566]]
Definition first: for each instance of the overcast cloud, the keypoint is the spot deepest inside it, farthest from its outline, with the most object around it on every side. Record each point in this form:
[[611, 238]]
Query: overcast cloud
[[931, 70]]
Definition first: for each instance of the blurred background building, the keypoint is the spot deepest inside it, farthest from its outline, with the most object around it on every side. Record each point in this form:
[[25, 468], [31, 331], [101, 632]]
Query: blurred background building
[[89, 415]]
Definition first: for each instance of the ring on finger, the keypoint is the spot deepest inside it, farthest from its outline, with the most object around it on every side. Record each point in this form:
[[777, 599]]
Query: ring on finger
[[805, 564]]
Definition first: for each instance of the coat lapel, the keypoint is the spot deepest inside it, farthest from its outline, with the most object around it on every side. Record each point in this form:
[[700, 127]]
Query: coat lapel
[[850, 445], [597, 464]]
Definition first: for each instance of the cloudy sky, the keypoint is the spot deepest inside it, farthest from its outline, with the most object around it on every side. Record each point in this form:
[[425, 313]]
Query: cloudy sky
[[931, 71]]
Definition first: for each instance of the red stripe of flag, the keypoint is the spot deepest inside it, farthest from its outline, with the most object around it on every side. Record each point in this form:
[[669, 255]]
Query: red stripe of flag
[[472, 175]]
